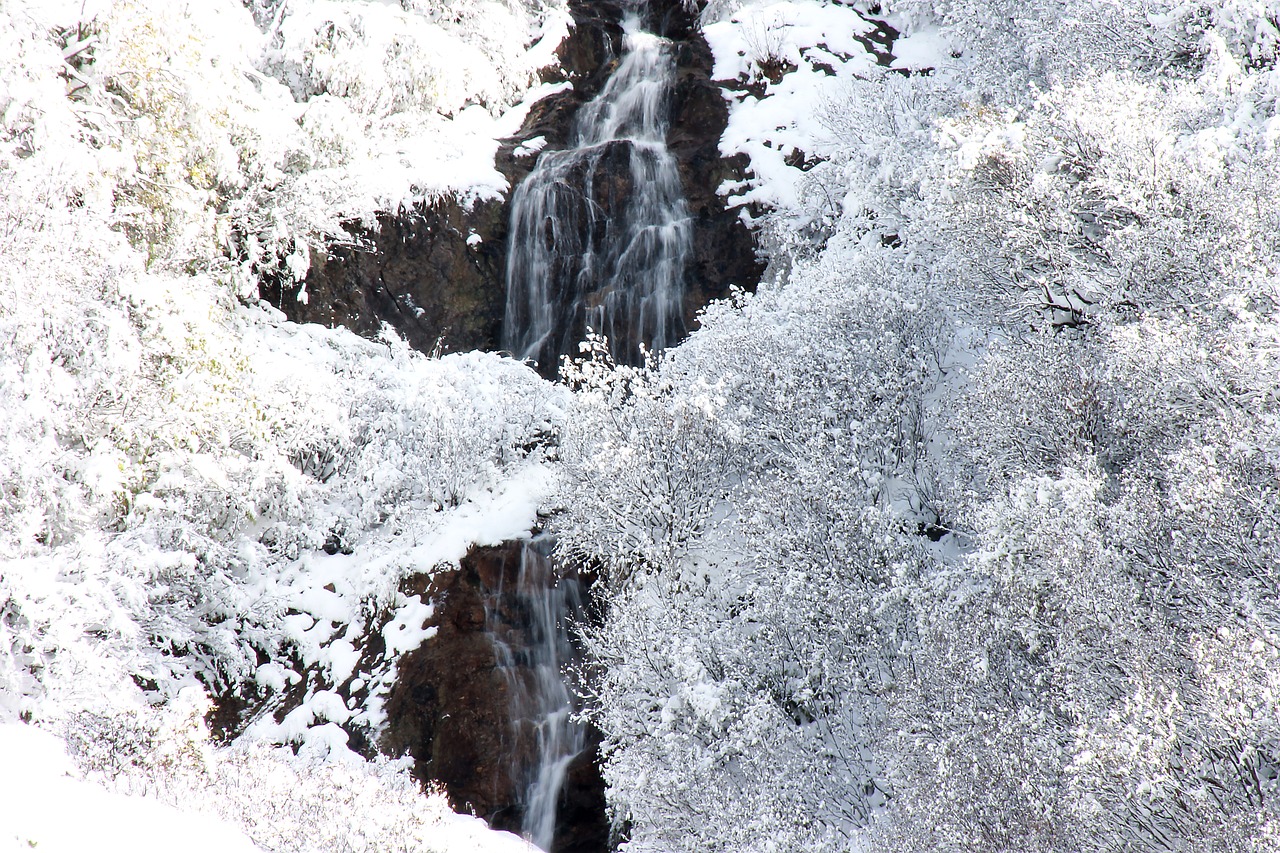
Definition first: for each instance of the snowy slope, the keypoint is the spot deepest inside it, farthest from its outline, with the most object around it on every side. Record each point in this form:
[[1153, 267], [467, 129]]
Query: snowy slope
[[195, 493], [48, 803], [961, 533]]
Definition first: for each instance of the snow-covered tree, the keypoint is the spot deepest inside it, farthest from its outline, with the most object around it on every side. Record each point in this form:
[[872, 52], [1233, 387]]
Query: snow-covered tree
[[758, 487], [1027, 317], [196, 496]]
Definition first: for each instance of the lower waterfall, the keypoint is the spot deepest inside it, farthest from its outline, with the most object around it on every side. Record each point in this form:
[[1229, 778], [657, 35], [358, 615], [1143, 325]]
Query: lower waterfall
[[531, 638]]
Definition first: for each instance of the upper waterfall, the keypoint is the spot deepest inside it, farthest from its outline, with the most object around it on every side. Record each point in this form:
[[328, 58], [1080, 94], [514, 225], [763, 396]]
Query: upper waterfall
[[600, 232]]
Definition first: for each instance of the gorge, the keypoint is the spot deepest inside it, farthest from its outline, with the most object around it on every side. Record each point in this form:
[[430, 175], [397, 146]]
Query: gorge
[[600, 238], [956, 529]]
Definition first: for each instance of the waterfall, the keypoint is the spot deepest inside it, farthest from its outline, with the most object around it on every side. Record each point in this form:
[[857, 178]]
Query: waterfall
[[600, 232], [530, 631]]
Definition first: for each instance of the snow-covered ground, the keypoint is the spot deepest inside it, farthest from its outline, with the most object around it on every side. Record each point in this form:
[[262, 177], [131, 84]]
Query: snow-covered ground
[[48, 802]]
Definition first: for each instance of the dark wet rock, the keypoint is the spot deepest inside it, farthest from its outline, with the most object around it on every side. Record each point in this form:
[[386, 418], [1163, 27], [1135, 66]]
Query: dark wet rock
[[724, 249], [582, 824], [450, 706], [433, 273]]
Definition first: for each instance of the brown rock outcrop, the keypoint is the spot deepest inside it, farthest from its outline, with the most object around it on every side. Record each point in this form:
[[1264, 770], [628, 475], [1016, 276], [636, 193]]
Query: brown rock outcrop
[[724, 250], [450, 706], [421, 271]]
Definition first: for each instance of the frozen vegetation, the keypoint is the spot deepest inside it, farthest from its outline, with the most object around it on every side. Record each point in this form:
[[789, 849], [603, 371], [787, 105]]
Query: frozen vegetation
[[961, 534], [196, 495]]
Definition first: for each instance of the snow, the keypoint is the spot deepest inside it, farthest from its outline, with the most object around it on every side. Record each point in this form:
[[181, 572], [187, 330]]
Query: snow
[[819, 42], [193, 489], [274, 677], [407, 629], [923, 48], [467, 834], [530, 147], [761, 32], [48, 803], [45, 806]]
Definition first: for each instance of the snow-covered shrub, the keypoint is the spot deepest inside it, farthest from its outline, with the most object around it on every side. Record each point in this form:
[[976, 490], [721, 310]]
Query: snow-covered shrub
[[837, 367], [195, 126], [281, 800], [424, 56], [881, 132], [1074, 679], [739, 698], [193, 490], [1110, 195], [1249, 29], [173, 121], [764, 477], [1085, 662], [650, 461], [1079, 681], [1005, 642], [172, 459], [180, 451], [394, 106], [785, 60]]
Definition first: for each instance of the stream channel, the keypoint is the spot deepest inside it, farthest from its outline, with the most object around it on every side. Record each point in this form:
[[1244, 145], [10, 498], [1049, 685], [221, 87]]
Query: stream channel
[[585, 247]]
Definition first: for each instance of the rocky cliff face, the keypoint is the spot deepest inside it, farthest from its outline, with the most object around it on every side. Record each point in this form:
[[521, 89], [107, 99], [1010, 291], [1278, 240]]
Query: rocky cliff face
[[449, 708], [423, 272], [724, 251], [418, 272]]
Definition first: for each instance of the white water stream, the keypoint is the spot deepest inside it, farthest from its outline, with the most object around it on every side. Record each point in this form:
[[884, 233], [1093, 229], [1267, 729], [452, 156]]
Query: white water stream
[[545, 738], [574, 254], [600, 237]]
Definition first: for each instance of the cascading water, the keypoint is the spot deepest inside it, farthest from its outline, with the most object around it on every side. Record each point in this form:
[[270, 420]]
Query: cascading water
[[600, 232], [600, 237], [532, 645]]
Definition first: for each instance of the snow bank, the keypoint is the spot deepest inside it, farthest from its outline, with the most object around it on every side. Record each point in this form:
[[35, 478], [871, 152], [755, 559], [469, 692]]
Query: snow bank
[[798, 55], [97, 791], [46, 806], [214, 144]]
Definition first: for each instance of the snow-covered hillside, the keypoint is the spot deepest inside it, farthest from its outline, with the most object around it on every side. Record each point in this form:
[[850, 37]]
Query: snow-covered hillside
[[962, 534], [194, 493]]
